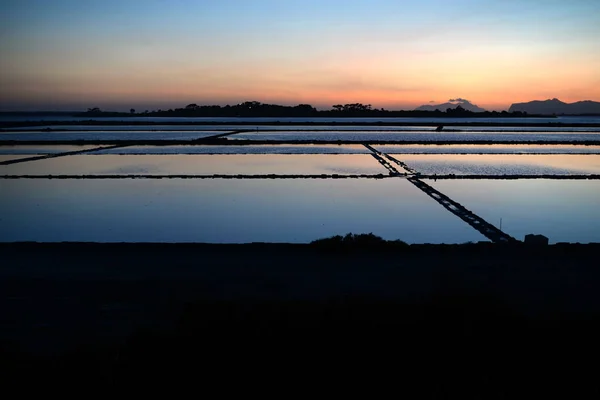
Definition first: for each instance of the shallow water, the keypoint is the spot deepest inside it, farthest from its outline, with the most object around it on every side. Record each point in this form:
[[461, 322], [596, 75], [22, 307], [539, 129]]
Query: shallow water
[[497, 164], [124, 127], [226, 128], [248, 149], [359, 134], [229, 164], [107, 135], [322, 120], [487, 149], [324, 127], [222, 211], [564, 211], [56, 202], [6, 157], [417, 136], [43, 149]]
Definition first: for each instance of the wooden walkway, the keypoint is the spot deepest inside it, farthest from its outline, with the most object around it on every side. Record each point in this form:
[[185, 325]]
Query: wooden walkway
[[482, 226], [485, 228]]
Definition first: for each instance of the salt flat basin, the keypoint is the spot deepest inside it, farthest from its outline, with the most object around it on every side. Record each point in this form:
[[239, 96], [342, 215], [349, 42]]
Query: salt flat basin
[[43, 149], [487, 149], [225, 128], [222, 211], [316, 126], [496, 164], [564, 211], [10, 157], [124, 127], [417, 136], [247, 149], [230, 164], [42, 119], [107, 135]]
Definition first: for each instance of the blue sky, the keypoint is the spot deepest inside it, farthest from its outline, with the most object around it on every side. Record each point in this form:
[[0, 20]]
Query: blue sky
[[66, 54]]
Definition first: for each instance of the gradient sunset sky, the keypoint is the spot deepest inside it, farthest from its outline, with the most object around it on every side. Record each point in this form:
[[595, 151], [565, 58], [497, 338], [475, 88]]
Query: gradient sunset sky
[[118, 54]]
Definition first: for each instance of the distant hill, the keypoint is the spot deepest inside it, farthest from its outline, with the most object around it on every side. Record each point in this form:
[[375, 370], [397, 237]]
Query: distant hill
[[452, 103], [555, 106]]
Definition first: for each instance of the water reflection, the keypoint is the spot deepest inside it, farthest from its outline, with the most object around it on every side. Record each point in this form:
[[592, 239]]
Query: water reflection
[[245, 164], [107, 135], [43, 149], [487, 149], [10, 158], [418, 136], [222, 211], [311, 127], [471, 164], [318, 120], [247, 149], [565, 211]]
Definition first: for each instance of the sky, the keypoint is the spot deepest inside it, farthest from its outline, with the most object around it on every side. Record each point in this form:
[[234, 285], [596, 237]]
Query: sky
[[395, 54]]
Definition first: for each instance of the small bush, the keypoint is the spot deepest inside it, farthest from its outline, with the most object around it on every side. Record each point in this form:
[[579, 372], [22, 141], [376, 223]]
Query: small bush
[[356, 241]]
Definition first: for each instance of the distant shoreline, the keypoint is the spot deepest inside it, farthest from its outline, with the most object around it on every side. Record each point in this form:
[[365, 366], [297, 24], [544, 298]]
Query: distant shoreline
[[323, 122], [288, 113]]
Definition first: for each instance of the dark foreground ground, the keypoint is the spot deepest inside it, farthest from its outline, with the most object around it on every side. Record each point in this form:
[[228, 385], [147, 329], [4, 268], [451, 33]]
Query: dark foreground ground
[[479, 321]]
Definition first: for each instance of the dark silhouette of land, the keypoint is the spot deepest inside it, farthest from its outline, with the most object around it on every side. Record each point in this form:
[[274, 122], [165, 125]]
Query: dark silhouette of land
[[484, 319], [452, 104], [454, 108], [258, 109], [557, 107]]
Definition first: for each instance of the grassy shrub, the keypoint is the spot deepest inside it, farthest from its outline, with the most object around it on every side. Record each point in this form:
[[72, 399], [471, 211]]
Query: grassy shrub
[[353, 241]]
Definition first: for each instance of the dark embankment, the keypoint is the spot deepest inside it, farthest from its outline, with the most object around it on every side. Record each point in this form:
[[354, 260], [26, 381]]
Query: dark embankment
[[482, 319]]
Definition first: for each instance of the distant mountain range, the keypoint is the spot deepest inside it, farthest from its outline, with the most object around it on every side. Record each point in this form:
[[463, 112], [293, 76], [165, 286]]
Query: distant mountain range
[[555, 106], [452, 103]]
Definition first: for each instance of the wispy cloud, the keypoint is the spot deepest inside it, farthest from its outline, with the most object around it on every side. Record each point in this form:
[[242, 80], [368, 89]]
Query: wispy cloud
[[459, 100]]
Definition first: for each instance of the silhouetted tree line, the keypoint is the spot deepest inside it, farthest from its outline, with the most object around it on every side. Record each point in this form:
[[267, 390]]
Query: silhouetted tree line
[[258, 109]]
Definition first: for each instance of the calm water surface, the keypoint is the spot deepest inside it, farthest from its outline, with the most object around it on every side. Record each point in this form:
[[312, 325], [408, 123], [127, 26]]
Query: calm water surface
[[324, 127], [366, 136], [42, 149], [222, 211], [248, 149], [487, 149], [438, 121], [564, 211], [498, 164], [107, 135], [4, 157], [230, 164], [299, 210]]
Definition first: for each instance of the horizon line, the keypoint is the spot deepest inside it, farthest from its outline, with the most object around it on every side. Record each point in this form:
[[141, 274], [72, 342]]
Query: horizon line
[[460, 101]]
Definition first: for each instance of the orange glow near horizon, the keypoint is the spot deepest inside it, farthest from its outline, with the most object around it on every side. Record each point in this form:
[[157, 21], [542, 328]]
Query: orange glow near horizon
[[317, 54], [492, 81], [495, 89]]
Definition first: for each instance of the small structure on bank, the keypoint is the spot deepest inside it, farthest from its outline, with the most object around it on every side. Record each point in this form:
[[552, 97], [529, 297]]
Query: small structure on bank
[[539, 240]]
